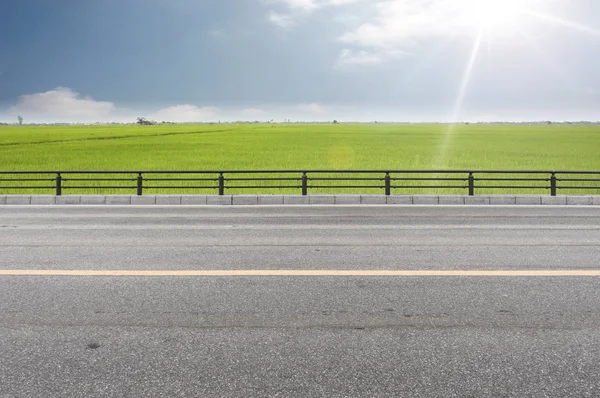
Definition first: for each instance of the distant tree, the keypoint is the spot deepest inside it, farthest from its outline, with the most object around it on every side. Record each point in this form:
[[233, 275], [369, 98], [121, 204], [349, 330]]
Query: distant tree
[[142, 121], [20, 119], [335, 122]]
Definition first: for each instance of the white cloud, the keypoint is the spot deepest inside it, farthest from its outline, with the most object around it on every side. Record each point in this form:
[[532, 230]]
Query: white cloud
[[312, 108], [304, 5], [61, 103], [311, 5], [388, 28], [358, 57], [281, 20], [184, 114], [296, 8], [399, 25]]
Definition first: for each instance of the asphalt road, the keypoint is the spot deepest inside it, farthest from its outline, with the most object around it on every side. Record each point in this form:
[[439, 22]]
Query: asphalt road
[[243, 336]]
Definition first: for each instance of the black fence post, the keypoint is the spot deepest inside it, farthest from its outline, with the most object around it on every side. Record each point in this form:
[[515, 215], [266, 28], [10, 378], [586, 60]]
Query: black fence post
[[553, 185], [221, 184], [58, 184], [471, 185], [304, 184], [140, 184], [388, 184]]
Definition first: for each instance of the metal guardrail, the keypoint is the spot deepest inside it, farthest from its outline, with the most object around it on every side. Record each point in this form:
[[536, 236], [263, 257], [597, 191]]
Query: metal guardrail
[[303, 181]]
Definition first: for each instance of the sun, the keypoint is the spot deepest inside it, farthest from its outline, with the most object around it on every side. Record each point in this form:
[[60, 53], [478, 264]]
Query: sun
[[492, 14]]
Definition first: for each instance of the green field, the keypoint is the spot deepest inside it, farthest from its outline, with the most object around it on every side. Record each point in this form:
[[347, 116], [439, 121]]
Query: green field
[[281, 147]]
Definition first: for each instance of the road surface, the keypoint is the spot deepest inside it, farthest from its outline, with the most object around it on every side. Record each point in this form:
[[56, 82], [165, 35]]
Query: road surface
[[312, 332]]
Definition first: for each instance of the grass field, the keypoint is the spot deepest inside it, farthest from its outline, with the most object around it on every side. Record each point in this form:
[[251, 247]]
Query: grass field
[[260, 147]]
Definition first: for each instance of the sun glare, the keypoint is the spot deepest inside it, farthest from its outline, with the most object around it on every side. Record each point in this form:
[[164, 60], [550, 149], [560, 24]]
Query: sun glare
[[493, 14], [492, 19]]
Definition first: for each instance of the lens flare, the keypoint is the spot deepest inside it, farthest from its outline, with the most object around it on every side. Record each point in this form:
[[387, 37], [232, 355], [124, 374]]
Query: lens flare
[[559, 21], [440, 161]]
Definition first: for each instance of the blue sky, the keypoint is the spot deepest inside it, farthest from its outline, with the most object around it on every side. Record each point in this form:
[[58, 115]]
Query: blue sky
[[352, 60]]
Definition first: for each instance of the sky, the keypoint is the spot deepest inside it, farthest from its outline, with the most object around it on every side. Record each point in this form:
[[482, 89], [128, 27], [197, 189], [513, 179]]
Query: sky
[[302, 60]]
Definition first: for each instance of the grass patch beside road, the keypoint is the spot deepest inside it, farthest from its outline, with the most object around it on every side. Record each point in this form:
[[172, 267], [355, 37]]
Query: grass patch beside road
[[281, 147]]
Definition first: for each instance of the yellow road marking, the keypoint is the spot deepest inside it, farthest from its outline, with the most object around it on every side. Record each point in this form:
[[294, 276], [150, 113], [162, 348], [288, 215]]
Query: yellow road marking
[[400, 273]]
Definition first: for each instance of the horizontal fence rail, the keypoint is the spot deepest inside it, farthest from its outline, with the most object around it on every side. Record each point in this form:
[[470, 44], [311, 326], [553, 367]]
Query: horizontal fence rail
[[301, 181]]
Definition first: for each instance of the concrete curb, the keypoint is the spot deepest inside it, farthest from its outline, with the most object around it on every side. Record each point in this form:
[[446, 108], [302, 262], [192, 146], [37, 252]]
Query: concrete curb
[[258, 200]]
